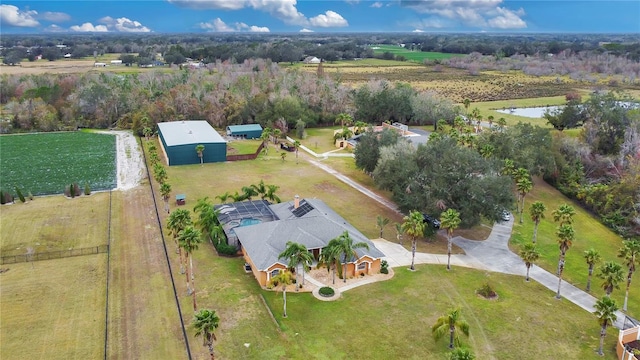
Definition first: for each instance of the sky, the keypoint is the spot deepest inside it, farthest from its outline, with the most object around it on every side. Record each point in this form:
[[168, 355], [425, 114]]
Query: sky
[[324, 16]]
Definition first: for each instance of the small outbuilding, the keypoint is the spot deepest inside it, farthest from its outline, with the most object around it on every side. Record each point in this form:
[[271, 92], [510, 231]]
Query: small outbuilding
[[249, 131], [180, 138]]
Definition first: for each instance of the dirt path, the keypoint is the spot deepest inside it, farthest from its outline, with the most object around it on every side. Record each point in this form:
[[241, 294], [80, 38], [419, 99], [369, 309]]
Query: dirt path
[[130, 161]]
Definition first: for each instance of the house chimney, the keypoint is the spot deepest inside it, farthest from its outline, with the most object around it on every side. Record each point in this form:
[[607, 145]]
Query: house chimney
[[296, 201]]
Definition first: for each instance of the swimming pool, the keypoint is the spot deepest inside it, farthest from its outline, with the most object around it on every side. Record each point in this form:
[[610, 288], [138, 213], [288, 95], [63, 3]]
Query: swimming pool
[[249, 221]]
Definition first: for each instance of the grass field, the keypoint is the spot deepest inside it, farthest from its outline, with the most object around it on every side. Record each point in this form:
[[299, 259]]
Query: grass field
[[53, 309], [242, 147], [590, 233], [56, 160], [52, 223], [489, 108], [393, 319], [417, 56]]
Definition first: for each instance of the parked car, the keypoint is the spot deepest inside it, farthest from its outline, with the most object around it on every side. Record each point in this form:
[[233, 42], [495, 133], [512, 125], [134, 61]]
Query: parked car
[[287, 147], [505, 215], [431, 221]]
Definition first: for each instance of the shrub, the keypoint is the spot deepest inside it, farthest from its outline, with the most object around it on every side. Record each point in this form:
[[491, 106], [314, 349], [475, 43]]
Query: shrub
[[326, 291], [226, 249], [20, 195], [487, 291], [87, 190], [2, 201], [384, 267], [76, 189]]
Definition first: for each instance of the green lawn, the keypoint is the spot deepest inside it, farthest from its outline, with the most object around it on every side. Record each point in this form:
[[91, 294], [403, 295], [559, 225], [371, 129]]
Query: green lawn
[[319, 140], [590, 233], [45, 163], [243, 147], [53, 309], [392, 319], [417, 56]]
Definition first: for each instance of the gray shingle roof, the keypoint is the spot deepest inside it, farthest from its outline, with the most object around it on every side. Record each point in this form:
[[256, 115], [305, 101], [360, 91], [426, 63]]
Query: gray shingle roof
[[264, 242], [189, 132]]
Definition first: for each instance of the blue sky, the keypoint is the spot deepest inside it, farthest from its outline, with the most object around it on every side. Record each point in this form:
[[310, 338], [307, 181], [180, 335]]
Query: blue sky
[[193, 16]]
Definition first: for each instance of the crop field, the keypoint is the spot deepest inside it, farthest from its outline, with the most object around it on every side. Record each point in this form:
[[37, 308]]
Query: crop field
[[417, 55], [46, 163]]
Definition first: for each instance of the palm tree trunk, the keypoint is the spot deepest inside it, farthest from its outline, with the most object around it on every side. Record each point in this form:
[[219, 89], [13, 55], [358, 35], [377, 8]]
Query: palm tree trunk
[[193, 283], [284, 297], [211, 353], [626, 295], [344, 270], [535, 231], [451, 337], [449, 252], [528, 267], [297, 283], [522, 210], [559, 283], [589, 278], [413, 253], [303, 274], [603, 333], [188, 275], [181, 261]]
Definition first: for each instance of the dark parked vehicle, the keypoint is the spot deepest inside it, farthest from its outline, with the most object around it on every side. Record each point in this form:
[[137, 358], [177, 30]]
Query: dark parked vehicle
[[287, 147], [431, 221]]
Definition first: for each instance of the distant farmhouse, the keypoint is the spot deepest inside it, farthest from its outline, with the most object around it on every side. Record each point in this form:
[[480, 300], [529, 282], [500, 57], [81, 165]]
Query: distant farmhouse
[[179, 139], [249, 131], [262, 231]]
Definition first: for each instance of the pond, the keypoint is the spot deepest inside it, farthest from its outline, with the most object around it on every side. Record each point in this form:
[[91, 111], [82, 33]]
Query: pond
[[532, 112]]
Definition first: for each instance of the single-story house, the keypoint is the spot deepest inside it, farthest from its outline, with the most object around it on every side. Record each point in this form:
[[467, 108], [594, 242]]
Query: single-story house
[[249, 131], [178, 140], [311, 60], [262, 231]]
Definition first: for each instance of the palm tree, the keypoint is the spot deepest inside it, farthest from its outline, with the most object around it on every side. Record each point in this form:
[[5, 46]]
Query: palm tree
[[592, 257], [297, 254], [276, 133], [206, 322], [460, 353], [606, 312], [176, 222], [260, 189], [224, 197], [413, 225], [159, 173], [147, 132], [502, 123], [466, 102], [284, 278], [564, 214], [381, 222], [529, 255], [296, 145], [490, 119], [449, 323], [524, 186], [566, 235], [536, 211], [248, 192], [207, 220], [399, 233], [165, 191], [271, 193], [449, 220], [189, 239], [487, 150], [344, 119], [630, 254], [283, 155], [330, 257], [348, 250], [200, 151], [612, 275], [266, 134]]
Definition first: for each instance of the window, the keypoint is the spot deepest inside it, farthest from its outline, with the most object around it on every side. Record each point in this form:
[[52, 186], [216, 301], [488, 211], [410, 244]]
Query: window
[[362, 266], [275, 272]]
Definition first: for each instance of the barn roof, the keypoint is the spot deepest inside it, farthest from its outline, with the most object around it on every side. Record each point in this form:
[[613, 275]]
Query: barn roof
[[247, 127], [189, 132]]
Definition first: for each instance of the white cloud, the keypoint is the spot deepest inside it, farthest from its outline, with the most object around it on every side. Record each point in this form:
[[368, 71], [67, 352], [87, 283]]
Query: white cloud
[[508, 19], [376, 4], [123, 24], [88, 27], [54, 28], [217, 25], [329, 19], [306, 31], [418, 31], [12, 16], [284, 10], [352, 2], [473, 13], [55, 16], [262, 29]]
